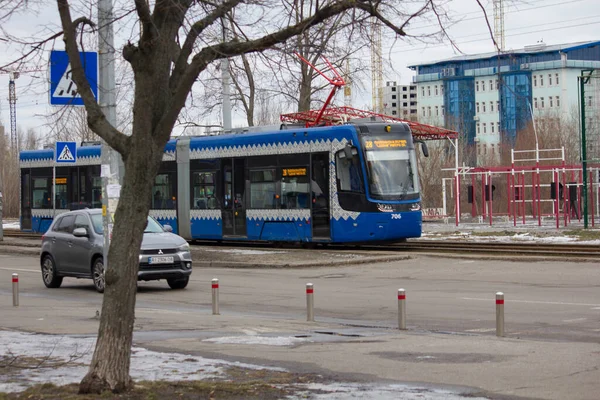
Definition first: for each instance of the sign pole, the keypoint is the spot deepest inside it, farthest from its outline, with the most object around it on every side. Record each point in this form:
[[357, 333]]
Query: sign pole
[[110, 169]]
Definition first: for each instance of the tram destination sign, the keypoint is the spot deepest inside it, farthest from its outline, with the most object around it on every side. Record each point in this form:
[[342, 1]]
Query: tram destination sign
[[385, 144]]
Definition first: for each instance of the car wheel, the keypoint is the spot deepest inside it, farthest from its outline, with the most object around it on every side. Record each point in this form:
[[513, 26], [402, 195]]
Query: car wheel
[[98, 274], [49, 276], [178, 283]]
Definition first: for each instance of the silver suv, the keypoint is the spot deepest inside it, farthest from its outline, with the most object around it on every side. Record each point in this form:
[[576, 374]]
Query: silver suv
[[73, 247]]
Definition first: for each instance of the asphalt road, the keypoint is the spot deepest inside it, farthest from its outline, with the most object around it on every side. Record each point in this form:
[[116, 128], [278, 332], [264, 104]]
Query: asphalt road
[[551, 349]]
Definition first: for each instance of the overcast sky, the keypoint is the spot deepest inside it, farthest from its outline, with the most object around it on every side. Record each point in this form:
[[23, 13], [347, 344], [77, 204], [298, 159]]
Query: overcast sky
[[526, 22]]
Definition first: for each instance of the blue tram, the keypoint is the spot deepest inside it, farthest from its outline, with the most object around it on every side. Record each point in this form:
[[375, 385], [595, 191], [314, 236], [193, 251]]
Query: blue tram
[[349, 183]]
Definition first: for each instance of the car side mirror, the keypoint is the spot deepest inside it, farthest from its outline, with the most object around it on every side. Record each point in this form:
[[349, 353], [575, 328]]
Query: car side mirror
[[80, 232], [168, 228]]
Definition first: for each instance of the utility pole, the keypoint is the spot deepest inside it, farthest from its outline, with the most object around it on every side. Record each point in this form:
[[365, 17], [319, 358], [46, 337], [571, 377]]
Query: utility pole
[[225, 82], [12, 101], [111, 160]]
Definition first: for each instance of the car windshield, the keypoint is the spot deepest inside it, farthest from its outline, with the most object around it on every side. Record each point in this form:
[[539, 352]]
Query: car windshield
[[151, 227], [392, 172]]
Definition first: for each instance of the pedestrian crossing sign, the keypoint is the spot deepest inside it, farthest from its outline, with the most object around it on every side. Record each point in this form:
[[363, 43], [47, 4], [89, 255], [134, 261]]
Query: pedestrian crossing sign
[[63, 90], [66, 152]]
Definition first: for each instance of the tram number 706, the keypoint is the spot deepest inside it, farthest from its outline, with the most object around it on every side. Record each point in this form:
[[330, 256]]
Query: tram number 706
[[396, 216]]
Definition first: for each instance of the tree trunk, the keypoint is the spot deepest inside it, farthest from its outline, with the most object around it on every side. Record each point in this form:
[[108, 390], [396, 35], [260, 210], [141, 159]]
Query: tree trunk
[[109, 369]]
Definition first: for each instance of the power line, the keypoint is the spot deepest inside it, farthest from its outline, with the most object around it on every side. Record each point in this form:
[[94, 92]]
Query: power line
[[410, 49]]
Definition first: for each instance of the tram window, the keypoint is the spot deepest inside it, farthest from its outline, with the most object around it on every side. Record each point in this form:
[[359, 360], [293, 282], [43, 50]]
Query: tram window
[[61, 193], [42, 193], [349, 176], [262, 189], [163, 193], [96, 192], [204, 191], [294, 187]]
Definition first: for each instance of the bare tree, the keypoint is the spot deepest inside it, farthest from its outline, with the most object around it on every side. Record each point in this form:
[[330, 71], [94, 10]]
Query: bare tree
[[179, 40]]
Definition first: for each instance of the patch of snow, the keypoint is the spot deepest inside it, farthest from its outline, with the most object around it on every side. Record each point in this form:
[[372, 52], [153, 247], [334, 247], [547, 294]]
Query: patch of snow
[[346, 391], [11, 225], [68, 358], [245, 251], [260, 340]]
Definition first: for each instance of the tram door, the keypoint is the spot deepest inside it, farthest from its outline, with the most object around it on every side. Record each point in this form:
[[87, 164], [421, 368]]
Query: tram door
[[233, 202], [319, 184], [25, 201]]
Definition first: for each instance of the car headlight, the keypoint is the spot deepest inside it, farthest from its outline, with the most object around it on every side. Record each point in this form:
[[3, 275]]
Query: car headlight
[[184, 247], [415, 206]]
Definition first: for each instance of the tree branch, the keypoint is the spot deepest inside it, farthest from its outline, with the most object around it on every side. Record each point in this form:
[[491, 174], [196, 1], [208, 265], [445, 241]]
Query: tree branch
[[95, 117], [197, 28]]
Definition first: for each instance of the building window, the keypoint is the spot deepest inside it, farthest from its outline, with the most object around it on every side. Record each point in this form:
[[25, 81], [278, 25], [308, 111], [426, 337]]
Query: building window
[[429, 91], [484, 128], [492, 127], [423, 111], [535, 81], [404, 96], [393, 104], [477, 86], [393, 112], [436, 89], [442, 90], [429, 111], [443, 110], [589, 102], [549, 79], [496, 84], [478, 128], [477, 105], [483, 106], [491, 85], [393, 88], [404, 88], [541, 80], [437, 111], [483, 86], [491, 106], [557, 101], [423, 91], [550, 99], [498, 105], [393, 97], [542, 102], [535, 102], [404, 104], [556, 79]]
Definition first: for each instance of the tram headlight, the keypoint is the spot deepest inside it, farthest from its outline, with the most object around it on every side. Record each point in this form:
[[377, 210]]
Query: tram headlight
[[415, 206]]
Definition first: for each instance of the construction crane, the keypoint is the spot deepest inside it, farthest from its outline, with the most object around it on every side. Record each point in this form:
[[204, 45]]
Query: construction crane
[[499, 24], [13, 75], [376, 67]]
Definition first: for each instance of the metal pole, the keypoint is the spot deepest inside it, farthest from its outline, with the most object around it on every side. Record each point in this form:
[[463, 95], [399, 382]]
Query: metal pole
[[215, 296], [15, 289], [54, 185], [111, 170], [225, 81], [401, 309], [310, 303], [583, 149], [500, 314]]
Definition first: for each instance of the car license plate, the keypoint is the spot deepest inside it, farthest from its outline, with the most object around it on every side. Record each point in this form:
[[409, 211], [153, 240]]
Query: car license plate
[[160, 260]]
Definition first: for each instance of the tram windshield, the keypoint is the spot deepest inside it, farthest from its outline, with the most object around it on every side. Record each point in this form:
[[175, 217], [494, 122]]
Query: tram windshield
[[392, 173]]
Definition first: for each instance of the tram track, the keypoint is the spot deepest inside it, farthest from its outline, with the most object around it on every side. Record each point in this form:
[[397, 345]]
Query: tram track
[[510, 249]]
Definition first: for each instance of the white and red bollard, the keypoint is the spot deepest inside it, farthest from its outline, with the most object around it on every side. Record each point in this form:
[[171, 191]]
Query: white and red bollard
[[215, 296], [15, 288], [401, 309], [500, 314], [310, 302]]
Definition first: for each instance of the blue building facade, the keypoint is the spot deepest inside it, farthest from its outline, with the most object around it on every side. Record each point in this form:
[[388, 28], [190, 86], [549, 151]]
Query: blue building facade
[[490, 97]]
